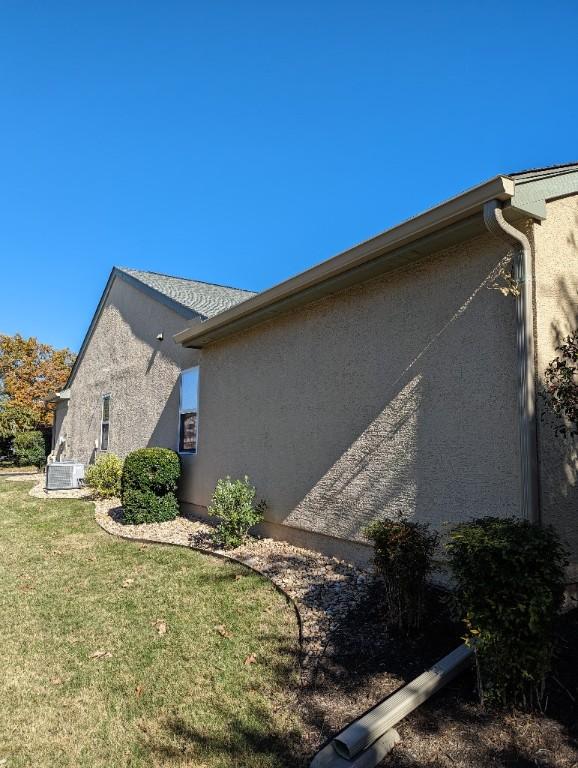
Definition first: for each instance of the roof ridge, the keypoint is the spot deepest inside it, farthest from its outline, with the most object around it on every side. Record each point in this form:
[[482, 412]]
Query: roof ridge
[[542, 168], [188, 279]]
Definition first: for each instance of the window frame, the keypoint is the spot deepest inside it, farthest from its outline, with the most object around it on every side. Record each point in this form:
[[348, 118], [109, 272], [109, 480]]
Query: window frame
[[104, 397], [183, 411]]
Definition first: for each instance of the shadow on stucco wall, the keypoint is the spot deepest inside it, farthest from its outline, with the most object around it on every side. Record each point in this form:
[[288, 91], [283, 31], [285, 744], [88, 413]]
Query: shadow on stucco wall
[[421, 453]]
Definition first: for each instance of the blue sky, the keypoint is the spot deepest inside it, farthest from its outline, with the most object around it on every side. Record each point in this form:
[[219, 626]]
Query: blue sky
[[242, 142]]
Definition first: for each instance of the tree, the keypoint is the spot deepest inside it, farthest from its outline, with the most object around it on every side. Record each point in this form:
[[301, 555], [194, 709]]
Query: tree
[[562, 385], [14, 419], [29, 371]]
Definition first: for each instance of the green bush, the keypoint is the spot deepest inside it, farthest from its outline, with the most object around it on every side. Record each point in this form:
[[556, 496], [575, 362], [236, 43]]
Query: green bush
[[147, 507], [29, 449], [509, 589], [148, 483], [104, 476], [403, 557], [233, 503], [151, 469]]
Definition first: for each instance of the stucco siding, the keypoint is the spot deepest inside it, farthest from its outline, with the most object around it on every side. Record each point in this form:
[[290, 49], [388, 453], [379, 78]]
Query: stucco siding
[[124, 359], [395, 395], [556, 290]]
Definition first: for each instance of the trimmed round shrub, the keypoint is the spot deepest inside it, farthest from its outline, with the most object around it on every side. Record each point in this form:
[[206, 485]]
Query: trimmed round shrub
[[104, 476], [147, 507], [151, 469], [403, 557], [29, 449], [149, 480], [509, 578]]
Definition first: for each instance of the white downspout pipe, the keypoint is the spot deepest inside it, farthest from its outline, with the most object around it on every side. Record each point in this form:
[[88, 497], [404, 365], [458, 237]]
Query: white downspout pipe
[[497, 224]]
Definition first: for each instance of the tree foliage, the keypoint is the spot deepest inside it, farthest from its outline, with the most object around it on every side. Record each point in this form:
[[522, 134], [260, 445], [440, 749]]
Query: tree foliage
[[29, 449], [29, 372], [562, 385]]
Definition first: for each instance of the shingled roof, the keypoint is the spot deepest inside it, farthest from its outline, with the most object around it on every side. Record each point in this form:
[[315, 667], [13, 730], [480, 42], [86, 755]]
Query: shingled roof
[[192, 299], [204, 299]]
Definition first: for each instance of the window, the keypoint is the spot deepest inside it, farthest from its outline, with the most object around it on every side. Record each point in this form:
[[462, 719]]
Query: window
[[188, 415], [104, 423]]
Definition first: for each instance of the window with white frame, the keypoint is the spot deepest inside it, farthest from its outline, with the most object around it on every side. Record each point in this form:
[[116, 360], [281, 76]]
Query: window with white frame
[[105, 423], [188, 411]]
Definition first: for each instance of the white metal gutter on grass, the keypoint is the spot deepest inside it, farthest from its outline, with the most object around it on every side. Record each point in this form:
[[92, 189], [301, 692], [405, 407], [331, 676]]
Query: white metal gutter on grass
[[496, 223], [365, 742]]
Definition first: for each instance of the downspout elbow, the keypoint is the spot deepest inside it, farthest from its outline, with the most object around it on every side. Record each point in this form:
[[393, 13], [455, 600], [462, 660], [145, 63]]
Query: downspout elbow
[[497, 224]]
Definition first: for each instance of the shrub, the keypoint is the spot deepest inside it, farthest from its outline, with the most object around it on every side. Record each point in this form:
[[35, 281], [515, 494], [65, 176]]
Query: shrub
[[29, 448], [151, 469], [104, 476], [149, 480], [510, 582], [147, 507], [403, 556], [233, 503]]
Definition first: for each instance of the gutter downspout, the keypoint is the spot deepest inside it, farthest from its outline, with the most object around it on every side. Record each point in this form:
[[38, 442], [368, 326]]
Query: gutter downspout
[[497, 225]]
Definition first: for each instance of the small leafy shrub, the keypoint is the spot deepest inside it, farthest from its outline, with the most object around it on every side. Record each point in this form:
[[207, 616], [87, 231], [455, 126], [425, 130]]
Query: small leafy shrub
[[148, 484], [147, 507], [403, 557], [233, 503], [104, 476], [29, 448], [509, 578]]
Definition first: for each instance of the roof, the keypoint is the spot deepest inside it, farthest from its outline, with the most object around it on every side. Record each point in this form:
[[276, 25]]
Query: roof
[[192, 299], [521, 194], [204, 299]]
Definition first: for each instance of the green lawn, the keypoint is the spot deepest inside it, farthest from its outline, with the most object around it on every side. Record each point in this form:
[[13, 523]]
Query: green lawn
[[182, 697]]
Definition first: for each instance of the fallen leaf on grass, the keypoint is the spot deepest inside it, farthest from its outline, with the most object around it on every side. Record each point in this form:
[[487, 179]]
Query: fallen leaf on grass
[[238, 576], [101, 655], [222, 630], [138, 690], [161, 626], [127, 582], [251, 659]]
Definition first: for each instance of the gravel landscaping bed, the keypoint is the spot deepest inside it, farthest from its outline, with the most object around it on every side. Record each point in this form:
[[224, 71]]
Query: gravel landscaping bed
[[27, 475], [323, 589], [350, 661]]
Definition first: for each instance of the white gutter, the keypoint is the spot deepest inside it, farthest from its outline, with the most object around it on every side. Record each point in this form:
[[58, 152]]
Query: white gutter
[[496, 223], [430, 221]]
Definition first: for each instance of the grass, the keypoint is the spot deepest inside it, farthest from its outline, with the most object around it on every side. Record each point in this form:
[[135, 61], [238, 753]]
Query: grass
[[184, 697]]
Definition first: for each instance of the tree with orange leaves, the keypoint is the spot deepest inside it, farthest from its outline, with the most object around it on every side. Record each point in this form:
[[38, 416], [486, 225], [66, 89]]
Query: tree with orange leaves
[[29, 372]]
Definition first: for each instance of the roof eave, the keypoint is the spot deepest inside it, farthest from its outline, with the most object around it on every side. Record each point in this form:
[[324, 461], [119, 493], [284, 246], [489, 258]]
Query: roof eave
[[307, 285]]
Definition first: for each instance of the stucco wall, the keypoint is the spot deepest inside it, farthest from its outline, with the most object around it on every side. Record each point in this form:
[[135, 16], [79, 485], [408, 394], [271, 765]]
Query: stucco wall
[[556, 288], [395, 395], [124, 359]]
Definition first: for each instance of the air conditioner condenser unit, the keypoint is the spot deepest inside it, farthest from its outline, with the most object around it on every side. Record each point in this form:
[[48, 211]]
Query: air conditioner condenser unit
[[64, 475]]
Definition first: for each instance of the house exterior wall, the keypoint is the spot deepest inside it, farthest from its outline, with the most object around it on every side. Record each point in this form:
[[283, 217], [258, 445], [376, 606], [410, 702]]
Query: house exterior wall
[[124, 359], [556, 296], [397, 395]]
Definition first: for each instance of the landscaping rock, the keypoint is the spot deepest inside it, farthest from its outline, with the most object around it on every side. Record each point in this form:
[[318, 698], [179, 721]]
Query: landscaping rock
[[322, 588]]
